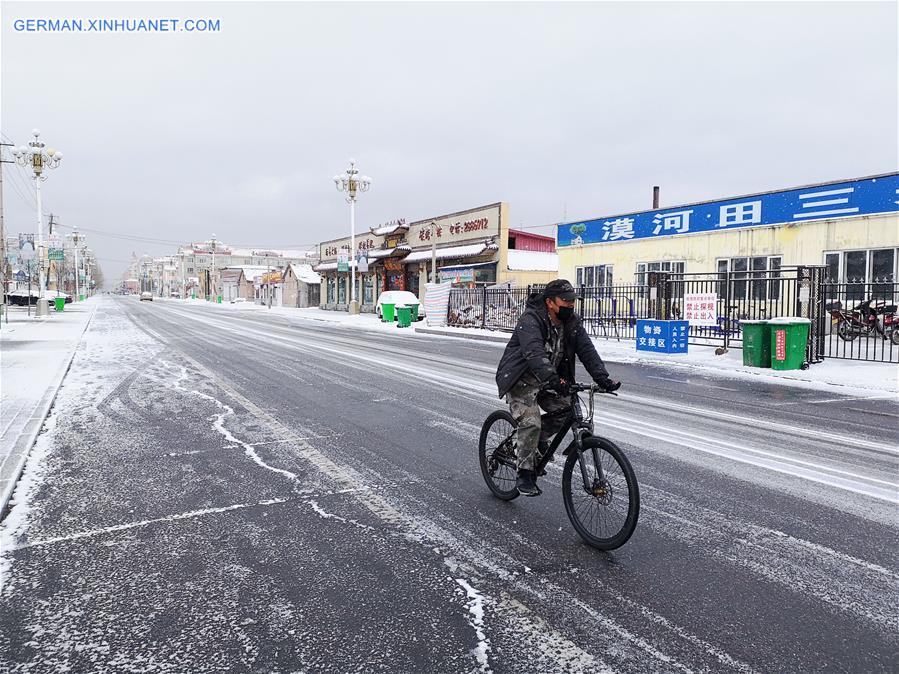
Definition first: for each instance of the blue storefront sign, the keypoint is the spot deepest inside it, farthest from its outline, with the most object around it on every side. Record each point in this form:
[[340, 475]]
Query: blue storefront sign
[[662, 336], [820, 202]]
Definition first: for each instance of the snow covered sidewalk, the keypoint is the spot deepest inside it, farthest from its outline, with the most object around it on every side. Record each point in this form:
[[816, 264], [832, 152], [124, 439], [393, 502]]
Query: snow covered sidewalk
[[35, 354]]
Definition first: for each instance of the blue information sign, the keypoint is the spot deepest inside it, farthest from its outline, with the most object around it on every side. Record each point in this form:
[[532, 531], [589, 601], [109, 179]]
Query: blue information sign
[[662, 336], [820, 202]]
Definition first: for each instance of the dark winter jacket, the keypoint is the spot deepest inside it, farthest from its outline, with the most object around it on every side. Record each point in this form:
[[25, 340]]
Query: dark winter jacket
[[526, 351]]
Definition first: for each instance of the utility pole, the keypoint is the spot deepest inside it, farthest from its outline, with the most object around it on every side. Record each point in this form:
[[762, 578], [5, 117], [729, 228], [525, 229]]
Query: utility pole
[[3, 261], [76, 238], [433, 251]]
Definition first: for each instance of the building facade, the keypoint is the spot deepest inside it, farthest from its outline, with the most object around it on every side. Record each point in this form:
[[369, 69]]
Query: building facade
[[850, 226], [472, 249]]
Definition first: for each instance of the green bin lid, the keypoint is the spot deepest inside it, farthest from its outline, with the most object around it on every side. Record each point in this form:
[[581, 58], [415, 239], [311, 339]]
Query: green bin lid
[[761, 321], [789, 320]]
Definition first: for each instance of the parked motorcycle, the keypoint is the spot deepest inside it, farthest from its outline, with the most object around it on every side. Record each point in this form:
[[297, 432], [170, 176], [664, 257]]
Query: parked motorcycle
[[870, 316]]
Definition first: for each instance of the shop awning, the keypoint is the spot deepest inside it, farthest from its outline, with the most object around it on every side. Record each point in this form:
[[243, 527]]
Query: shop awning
[[453, 252], [388, 252]]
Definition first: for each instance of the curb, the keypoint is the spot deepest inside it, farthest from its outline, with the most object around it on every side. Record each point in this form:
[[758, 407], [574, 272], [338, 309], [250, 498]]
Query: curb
[[25, 442], [465, 335]]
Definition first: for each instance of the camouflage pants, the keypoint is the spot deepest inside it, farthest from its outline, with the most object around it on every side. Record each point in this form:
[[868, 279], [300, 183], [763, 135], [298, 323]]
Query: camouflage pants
[[525, 400]]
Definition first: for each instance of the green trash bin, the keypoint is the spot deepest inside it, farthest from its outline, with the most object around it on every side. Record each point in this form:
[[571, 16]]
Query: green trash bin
[[387, 312], [789, 337], [81, 298], [60, 303], [403, 316], [756, 343], [414, 309], [218, 299]]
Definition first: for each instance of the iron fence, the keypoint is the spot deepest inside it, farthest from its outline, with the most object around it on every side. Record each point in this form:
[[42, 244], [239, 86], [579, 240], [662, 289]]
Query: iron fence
[[860, 321], [491, 308], [612, 311]]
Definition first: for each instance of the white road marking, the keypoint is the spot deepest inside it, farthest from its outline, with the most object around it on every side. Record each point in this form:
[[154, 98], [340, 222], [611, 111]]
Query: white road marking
[[143, 523]]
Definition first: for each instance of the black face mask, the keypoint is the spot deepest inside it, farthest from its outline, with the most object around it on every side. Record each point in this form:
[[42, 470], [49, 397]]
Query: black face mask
[[564, 313]]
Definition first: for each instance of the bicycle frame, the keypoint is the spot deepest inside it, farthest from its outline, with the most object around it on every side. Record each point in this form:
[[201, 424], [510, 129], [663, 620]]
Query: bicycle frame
[[581, 426]]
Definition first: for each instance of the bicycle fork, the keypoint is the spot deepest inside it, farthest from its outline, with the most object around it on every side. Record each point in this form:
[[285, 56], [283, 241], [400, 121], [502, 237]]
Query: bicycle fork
[[589, 481]]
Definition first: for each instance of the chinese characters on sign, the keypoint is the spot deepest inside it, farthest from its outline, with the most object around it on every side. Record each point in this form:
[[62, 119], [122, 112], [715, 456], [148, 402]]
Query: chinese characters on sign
[[621, 228], [700, 309], [662, 336], [838, 200], [780, 345], [679, 221]]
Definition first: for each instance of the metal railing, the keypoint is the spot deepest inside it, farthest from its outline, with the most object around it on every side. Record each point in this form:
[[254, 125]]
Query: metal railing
[[860, 321], [612, 311]]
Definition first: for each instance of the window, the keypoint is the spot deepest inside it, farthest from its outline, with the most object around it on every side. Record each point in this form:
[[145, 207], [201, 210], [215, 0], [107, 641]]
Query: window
[[341, 291], [756, 278], [332, 287], [832, 262], [859, 267], [367, 288], [598, 275], [669, 266]]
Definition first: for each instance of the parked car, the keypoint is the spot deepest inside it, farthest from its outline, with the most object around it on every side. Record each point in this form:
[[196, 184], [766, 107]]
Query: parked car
[[398, 297], [238, 300], [146, 296], [20, 297]]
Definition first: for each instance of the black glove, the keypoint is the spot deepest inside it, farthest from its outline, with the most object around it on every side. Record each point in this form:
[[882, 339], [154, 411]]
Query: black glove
[[558, 385], [608, 385]]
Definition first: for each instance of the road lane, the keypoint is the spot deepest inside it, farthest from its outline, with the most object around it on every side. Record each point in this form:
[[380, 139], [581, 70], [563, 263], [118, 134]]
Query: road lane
[[343, 454]]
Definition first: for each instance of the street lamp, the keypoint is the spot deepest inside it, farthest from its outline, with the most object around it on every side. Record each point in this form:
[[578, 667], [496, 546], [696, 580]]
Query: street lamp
[[351, 182], [212, 279], [37, 158], [76, 239]]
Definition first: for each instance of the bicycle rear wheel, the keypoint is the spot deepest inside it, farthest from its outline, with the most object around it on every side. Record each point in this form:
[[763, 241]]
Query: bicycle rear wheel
[[605, 515], [496, 454]]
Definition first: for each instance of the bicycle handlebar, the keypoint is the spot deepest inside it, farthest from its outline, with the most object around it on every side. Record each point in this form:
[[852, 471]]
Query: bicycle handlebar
[[591, 387]]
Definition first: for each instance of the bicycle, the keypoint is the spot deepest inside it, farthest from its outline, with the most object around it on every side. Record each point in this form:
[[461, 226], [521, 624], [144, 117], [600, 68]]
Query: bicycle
[[606, 496]]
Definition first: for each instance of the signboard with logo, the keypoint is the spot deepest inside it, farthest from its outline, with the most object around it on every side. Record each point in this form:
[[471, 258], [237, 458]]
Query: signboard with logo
[[56, 254], [362, 263], [473, 225], [820, 202], [662, 336], [700, 309], [456, 275], [343, 262]]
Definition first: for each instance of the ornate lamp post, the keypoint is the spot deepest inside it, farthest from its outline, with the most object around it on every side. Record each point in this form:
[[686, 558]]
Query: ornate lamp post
[[352, 183], [37, 158]]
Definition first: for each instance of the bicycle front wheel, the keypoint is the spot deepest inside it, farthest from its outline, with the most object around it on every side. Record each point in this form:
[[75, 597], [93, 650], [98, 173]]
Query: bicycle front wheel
[[604, 511], [496, 454]]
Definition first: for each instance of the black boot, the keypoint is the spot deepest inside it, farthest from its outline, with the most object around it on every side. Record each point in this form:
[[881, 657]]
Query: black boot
[[527, 483]]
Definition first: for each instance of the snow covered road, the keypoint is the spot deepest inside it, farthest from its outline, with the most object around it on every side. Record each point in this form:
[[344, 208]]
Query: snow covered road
[[219, 491]]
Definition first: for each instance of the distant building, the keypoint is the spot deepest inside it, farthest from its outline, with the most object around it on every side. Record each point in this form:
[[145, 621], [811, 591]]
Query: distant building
[[474, 248]]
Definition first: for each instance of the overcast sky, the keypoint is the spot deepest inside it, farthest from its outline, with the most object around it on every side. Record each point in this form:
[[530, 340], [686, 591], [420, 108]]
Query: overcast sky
[[575, 109]]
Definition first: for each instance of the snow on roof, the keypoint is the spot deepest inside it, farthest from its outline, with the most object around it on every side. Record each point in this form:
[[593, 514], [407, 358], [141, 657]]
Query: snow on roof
[[272, 252], [532, 260], [389, 229], [454, 251], [304, 273]]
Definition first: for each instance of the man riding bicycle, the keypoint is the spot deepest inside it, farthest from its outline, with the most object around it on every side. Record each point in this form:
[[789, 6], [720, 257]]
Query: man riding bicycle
[[535, 370]]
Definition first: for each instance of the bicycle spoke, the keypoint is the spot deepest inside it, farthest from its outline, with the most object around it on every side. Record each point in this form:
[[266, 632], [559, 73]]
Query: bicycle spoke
[[604, 515]]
